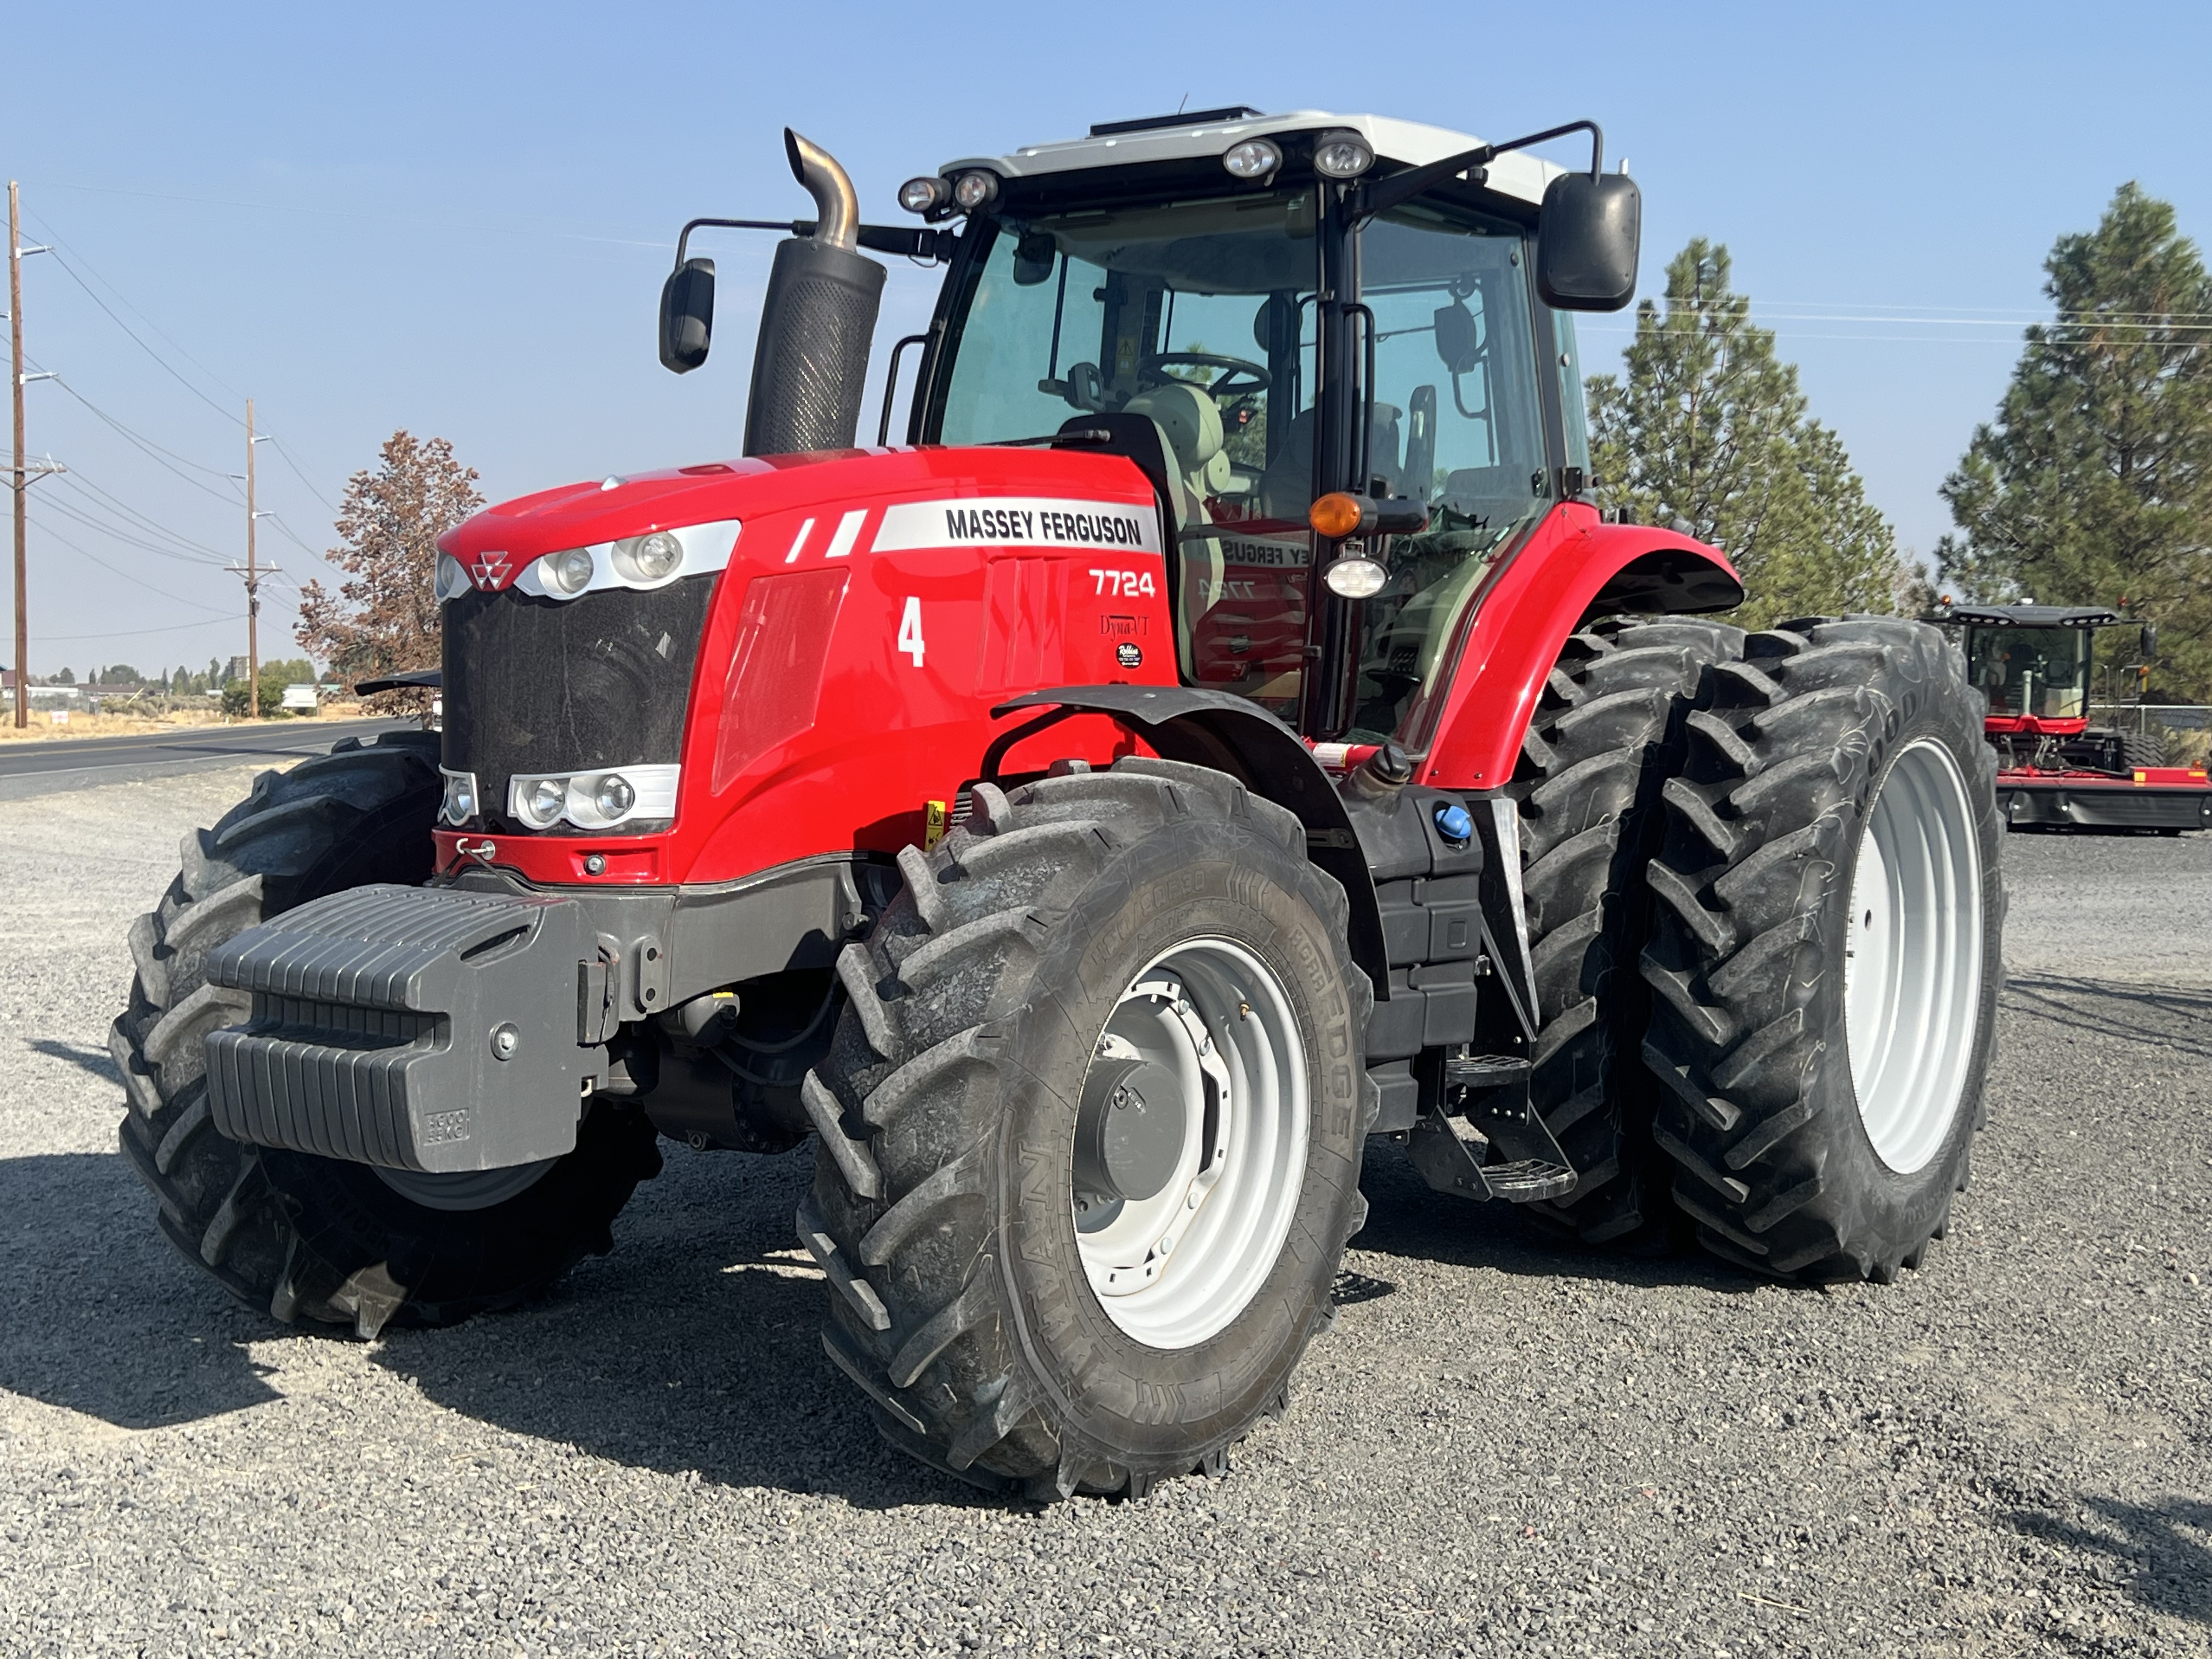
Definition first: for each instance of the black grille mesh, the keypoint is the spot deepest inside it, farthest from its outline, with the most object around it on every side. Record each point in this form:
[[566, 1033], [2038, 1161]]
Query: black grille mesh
[[551, 685]]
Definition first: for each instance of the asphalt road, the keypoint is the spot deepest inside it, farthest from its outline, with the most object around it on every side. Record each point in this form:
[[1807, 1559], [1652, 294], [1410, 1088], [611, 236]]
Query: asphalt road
[[1505, 1447], [69, 764]]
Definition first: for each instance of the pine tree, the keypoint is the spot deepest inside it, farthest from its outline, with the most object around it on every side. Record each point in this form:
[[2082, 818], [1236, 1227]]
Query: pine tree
[[384, 619], [2094, 484], [1708, 427]]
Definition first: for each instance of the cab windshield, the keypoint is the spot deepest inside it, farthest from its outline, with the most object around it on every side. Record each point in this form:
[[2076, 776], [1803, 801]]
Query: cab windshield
[[2042, 672], [1201, 314]]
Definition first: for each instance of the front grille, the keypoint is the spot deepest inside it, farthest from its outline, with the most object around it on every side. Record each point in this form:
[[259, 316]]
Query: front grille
[[536, 686]]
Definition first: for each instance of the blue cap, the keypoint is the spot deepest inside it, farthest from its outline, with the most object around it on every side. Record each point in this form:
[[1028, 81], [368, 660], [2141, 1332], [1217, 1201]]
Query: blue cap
[[1454, 824]]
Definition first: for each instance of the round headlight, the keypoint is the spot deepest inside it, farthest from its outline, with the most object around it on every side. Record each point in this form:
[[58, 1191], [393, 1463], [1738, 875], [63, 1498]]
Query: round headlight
[[451, 580], [541, 800], [921, 195], [616, 797], [569, 572], [1343, 155], [648, 558], [974, 189], [460, 802], [1354, 578], [1255, 158]]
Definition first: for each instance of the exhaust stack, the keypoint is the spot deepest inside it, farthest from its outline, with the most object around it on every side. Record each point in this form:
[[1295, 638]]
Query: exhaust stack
[[811, 366]]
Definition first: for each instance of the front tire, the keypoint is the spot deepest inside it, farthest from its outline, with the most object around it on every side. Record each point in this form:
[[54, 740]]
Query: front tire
[[1827, 961], [1068, 956], [314, 1238]]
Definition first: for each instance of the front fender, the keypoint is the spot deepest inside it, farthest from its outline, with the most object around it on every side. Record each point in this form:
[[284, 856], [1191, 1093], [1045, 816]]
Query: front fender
[[1571, 568], [1230, 734]]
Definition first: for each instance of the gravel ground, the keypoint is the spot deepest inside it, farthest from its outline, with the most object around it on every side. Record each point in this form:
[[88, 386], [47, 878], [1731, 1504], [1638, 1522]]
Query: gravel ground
[[1505, 1447]]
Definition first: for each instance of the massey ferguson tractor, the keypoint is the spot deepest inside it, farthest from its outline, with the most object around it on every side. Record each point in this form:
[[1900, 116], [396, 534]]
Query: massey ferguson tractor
[[1223, 732], [2033, 663]]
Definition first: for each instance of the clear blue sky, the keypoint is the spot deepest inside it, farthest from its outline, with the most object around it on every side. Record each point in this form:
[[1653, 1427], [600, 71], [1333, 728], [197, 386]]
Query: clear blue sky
[[456, 219]]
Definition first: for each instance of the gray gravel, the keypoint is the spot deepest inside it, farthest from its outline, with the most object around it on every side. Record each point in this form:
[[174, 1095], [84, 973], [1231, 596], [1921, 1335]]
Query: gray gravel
[[1505, 1447]]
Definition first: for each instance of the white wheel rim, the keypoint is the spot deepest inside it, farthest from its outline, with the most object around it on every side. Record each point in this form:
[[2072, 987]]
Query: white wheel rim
[[1912, 963], [1177, 1268]]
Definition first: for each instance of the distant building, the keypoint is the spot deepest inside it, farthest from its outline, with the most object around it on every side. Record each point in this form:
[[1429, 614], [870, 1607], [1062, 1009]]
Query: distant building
[[236, 669]]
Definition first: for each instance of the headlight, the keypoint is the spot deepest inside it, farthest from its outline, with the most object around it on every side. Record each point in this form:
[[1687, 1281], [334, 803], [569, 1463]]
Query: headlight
[[1255, 158], [648, 558], [593, 801], [1343, 155], [921, 195], [459, 804], [539, 801], [615, 797], [976, 189], [568, 573], [452, 582]]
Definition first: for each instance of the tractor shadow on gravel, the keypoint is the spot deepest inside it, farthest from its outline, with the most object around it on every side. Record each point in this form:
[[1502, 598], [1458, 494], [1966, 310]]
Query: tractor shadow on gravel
[[1409, 1220], [2173, 1017], [2145, 1550], [98, 1316], [692, 1348]]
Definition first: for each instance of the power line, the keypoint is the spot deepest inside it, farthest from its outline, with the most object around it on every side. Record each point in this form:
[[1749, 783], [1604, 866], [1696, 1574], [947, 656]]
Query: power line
[[140, 581]]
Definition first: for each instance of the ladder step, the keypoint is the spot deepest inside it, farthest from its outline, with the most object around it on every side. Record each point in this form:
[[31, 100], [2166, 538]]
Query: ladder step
[[1483, 1071], [1528, 1180]]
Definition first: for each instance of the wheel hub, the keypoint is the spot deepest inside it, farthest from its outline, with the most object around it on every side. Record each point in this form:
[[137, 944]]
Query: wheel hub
[[1190, 1143]]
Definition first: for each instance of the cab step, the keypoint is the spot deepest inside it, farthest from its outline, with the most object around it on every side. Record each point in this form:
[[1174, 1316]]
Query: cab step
[[1450, 1159]]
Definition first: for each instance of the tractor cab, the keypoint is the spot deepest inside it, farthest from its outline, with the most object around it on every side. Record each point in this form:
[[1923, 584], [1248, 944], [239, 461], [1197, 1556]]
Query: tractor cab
[[2033, 664], [1285, 330]]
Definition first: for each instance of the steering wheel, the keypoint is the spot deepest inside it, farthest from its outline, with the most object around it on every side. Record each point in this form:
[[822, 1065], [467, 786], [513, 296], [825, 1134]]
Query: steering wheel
[[1240, 377]]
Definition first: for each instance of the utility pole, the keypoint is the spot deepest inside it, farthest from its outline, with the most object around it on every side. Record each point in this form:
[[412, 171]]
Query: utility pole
[[15, 390], [252, 572]]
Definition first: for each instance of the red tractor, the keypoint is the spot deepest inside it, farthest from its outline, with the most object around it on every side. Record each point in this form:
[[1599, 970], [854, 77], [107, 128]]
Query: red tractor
[[1223, 731], [2033, 664]]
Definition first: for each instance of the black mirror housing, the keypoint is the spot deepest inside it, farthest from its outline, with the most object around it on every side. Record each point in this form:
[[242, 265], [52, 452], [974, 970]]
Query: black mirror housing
[[1586, 241], [687, 316]]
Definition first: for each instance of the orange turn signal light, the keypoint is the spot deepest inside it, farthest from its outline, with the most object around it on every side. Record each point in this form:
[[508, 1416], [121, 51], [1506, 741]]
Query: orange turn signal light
[[1337, 515]]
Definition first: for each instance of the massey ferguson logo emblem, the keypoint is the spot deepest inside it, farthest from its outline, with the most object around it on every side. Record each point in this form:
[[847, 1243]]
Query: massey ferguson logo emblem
[[489, 570]]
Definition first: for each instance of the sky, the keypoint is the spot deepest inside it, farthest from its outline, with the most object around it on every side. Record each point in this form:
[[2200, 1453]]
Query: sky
[[457, 219]]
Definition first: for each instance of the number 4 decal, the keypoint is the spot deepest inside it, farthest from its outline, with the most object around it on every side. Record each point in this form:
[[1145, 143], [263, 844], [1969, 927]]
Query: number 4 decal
[[909, 633]]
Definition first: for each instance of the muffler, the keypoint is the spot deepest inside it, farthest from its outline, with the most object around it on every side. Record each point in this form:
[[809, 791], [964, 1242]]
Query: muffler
[[811, 366]]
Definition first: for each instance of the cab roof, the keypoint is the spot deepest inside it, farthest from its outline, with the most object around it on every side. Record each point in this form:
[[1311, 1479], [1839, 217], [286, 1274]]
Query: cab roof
[[1118, 143]]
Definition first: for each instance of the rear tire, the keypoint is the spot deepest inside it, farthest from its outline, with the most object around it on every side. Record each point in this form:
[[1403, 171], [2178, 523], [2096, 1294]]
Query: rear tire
[[1607, 735], [1827, 955], [944, 1209], [313, 1238]]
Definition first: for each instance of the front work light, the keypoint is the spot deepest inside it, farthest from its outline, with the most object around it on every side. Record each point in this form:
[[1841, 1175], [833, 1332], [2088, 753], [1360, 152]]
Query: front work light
[[1354, 578], [1343, 155], [975, 191], [615, 797], [924, 195], [1255, 158]]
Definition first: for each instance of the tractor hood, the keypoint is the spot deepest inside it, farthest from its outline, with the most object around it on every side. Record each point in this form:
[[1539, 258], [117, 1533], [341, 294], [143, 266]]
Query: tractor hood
[[495, 546]]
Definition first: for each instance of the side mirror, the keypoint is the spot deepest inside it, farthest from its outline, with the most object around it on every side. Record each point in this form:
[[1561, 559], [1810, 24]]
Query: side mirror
[[687, 315], [1459, 344], [1586, 241], [2149, 641]]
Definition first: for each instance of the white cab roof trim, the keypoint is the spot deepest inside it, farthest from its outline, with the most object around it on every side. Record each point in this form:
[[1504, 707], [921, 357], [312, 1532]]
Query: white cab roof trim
[[1409, 143]]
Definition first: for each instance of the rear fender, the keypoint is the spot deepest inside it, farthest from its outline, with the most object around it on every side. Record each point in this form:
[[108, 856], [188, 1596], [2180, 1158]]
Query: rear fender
[[1229, 734], [1572, 568]]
